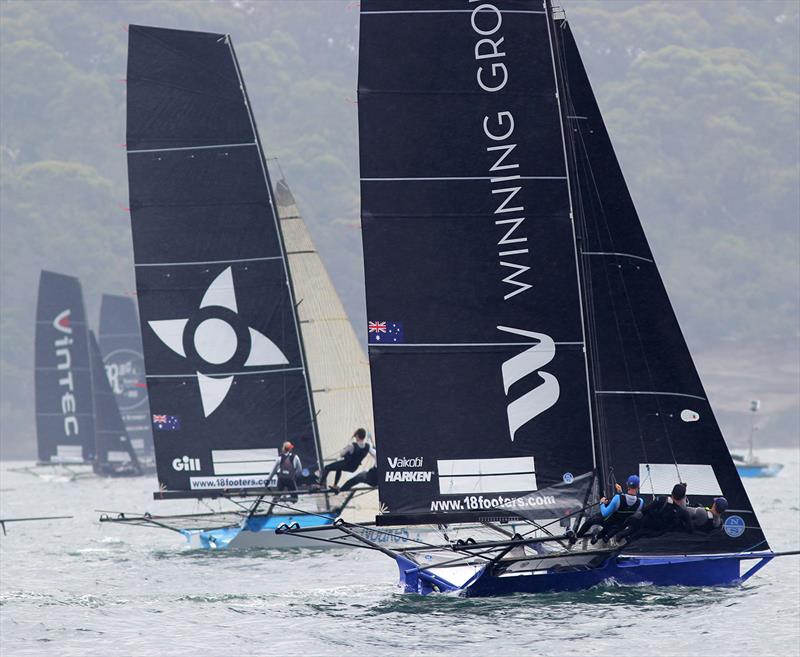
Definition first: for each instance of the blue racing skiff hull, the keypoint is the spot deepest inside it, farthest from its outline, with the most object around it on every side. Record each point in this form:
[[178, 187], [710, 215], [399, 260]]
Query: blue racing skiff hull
[[679, 570]]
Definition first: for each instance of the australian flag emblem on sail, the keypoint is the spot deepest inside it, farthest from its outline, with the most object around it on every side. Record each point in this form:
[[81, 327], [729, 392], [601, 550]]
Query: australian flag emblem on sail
[[385, 332], [166, 422]]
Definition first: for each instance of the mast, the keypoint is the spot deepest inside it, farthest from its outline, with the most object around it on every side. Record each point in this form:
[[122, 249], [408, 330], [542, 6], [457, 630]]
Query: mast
[[286, 269], [561, 92]]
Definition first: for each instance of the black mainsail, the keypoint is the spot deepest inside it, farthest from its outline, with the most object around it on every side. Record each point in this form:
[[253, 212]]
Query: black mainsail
[[520, 334], [64, 408], [479, 379], [114, 448], [121, 346], [226, 375]]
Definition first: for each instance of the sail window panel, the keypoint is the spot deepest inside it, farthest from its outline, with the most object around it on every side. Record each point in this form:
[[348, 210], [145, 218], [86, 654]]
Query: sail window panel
[[428, 135], [659, 478], [637, 342], [183, 90], [243, 461], [453, 267], [542, 201], [67, 454], [118, 457], [260, 411], [442, 59], [460, 407], [501, 475], [176, 293]]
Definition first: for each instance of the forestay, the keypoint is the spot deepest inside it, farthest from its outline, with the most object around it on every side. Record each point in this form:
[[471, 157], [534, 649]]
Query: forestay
[[225, 366], [479, 379], [121, 346], [64, 409]]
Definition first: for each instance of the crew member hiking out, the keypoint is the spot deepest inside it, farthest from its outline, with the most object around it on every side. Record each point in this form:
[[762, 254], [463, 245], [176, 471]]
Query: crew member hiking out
[[367, 477], [614, 514], [660, 516], [288, 469], [351, 457]]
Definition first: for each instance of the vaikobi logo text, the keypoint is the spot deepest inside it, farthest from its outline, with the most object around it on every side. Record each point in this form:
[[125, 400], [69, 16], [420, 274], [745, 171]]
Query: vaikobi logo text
[[404, 462]]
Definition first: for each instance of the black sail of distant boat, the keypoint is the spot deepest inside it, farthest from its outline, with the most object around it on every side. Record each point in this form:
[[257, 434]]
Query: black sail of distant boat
[[511, 350], [121, 346], [479, 378], [653, 415], [226, 376], [114, 447], [64, 407]]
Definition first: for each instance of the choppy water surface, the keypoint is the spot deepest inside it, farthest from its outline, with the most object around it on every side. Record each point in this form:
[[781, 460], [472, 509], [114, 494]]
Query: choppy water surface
[[75, 587]]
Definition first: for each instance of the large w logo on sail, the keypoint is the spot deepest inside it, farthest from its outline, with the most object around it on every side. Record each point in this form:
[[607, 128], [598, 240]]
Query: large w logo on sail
[[536, 401]]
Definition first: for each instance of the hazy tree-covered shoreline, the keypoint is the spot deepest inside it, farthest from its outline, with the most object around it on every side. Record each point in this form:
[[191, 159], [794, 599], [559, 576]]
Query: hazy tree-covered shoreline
[[701, 100]]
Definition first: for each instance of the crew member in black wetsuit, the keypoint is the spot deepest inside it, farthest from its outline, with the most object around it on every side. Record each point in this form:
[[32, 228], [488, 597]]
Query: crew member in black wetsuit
[[707, 519], [288, 469], [614, 514], [660, 516], [352, 455], [368, 477]]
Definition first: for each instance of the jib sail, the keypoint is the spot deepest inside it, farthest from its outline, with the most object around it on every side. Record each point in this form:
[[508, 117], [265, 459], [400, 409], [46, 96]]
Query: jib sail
[[340, 370], [64, 409], [476, 344], [226, 375], [113, 444], [653, 415], [121, 346]]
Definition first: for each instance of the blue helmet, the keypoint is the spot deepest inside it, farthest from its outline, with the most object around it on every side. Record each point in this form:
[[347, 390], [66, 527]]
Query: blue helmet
[[633, 482], [721, 503]]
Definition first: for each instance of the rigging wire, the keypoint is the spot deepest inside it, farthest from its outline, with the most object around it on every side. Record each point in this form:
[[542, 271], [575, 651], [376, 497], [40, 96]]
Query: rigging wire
[[595, 357]]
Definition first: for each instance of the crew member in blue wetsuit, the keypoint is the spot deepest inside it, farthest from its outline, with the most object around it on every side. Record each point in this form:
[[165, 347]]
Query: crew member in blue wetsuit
[[614, 514], [662, 515], [351, 457]]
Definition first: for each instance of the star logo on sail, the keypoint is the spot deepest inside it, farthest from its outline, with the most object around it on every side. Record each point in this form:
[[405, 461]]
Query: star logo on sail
[[216, 341]]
